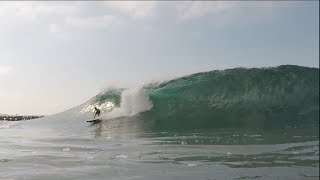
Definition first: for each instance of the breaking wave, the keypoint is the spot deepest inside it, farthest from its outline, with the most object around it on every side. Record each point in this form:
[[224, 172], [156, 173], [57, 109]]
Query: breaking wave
[[274, 97]]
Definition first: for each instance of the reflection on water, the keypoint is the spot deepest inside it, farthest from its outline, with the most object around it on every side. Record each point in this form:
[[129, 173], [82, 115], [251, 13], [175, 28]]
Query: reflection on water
[[127, 149], [118, 128], [135, 128]]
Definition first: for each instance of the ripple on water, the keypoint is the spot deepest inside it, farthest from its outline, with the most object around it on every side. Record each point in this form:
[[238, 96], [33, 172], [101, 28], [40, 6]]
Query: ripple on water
[[3, 160], [122, 156]]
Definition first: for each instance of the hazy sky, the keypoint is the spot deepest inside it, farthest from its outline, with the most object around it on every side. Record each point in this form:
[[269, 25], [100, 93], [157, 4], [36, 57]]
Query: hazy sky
[[56, 55]]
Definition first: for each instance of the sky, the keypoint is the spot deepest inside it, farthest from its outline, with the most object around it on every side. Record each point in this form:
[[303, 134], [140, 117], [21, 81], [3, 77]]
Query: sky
[[57, 55]]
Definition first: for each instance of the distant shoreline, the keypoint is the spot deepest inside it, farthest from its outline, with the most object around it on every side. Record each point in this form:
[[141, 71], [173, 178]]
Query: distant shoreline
[[17, 118]]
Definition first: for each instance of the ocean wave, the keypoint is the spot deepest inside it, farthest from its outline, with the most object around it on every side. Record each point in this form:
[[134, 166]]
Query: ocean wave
[[274, 97]]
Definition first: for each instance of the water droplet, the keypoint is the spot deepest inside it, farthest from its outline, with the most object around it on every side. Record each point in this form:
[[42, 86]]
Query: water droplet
[[183, 143], [192, 165], [66, 150]]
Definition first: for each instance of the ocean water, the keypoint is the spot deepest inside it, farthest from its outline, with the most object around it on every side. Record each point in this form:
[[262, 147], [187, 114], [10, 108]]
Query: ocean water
[[260, 123]]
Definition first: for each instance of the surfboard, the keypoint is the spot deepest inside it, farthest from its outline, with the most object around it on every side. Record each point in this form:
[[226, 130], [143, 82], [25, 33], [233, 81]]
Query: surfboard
[[94, 120]]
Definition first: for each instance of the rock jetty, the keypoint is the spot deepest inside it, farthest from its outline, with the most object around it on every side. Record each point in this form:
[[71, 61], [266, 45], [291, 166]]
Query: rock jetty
[[17, 118]]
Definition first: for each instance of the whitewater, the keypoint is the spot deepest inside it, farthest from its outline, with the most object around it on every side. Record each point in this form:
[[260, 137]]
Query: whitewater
[[257, 123]]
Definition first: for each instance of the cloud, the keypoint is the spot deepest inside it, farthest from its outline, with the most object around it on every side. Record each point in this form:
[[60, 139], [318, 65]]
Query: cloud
[[196, 9], [134, 9], [34, 10], [226, 11], [5, 69], [59, 17], [96, 22], [55, 28]]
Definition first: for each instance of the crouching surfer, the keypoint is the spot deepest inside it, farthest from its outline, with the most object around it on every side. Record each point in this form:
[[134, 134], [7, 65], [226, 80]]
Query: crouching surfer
[[96, 112]]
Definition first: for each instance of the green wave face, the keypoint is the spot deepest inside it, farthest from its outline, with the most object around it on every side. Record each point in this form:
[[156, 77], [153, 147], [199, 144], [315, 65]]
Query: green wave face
[[246, 98]]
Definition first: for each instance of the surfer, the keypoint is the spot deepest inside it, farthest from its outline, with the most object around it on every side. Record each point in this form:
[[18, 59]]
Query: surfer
[[96, 112]]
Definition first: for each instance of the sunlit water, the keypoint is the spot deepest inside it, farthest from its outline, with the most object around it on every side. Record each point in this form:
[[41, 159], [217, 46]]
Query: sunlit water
[[120, 149]]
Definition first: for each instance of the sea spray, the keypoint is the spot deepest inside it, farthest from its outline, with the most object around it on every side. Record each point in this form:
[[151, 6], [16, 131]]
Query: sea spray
[[133, 102]]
